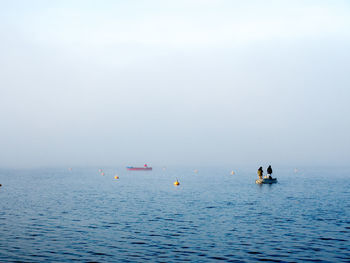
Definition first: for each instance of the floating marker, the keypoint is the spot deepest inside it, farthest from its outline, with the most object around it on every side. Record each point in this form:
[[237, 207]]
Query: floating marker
[[176, 182], [102, 173], [232, 172], [116, 177]]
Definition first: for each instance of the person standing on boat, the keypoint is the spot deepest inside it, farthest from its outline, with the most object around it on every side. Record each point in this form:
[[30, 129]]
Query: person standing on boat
[[269, 172], [260, 173]]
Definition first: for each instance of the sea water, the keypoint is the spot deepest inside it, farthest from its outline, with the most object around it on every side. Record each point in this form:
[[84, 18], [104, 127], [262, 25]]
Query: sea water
[[62, 215]]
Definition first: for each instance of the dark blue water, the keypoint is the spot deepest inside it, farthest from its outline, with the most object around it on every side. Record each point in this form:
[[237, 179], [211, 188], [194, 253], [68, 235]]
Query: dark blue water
[[56, 215]]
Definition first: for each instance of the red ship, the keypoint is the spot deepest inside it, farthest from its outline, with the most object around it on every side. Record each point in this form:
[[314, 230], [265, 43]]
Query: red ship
[[144, 168]]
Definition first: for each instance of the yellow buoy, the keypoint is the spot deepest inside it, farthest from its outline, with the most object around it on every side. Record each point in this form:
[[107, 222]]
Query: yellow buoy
[[116, 177], [176, 182]]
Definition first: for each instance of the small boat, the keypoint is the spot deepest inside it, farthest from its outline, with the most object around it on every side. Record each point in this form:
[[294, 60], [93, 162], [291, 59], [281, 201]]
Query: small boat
[[266, 181], [144, 168]]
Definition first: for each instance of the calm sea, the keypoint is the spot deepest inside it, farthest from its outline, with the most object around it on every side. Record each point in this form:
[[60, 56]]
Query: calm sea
[[57, 215]]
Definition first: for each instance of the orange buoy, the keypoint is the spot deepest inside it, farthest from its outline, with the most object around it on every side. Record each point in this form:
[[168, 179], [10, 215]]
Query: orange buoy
[[176, 182], [116, 177], [102, 173]]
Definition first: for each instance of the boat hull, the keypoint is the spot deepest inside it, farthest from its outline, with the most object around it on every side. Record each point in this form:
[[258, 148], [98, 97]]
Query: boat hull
[[266, 181], [139, 168]]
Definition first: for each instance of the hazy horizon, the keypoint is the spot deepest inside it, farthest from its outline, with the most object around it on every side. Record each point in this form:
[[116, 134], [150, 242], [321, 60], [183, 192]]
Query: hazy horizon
[[89, 83]]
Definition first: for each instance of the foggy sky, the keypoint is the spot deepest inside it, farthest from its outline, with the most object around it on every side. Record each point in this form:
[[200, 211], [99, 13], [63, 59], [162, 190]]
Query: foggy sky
[[174, 83]]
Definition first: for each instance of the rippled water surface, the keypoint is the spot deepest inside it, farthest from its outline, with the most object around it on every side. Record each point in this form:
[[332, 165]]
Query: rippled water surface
[[57, 215]]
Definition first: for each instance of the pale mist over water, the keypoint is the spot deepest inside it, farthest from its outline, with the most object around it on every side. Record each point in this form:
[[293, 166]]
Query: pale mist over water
[[88, 83], [205, 92]]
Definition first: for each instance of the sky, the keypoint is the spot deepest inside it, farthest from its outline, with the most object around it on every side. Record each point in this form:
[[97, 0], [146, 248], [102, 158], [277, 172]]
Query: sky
[[186, 82]]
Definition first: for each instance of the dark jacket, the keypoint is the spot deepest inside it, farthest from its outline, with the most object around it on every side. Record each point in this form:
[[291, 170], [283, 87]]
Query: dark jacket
[[269, 170]]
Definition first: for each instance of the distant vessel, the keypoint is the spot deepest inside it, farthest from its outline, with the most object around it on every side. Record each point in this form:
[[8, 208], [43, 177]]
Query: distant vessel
[[144, 168], [266, 181]]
